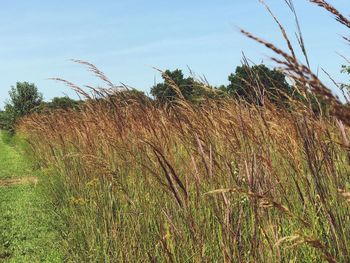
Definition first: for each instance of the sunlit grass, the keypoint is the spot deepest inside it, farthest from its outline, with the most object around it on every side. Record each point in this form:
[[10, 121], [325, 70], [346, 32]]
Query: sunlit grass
[[220, 181], [27, 224]]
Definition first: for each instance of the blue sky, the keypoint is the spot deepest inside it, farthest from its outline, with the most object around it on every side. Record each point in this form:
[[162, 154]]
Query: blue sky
[[126, 38]]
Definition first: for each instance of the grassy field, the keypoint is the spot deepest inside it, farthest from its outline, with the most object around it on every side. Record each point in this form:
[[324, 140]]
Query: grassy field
[[27, 225], [218, 182]]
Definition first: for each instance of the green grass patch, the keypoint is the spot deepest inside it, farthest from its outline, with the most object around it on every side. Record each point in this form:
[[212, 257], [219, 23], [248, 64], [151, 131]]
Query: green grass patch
[[28, 225]]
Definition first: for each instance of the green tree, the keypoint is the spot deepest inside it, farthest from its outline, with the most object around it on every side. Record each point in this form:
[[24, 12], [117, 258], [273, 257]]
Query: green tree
[[173, 87], [256, 83], [24, 97], [176, 86], [63, 103], [59, 103]]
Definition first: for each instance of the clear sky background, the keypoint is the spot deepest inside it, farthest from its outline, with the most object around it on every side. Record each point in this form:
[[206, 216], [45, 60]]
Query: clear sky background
[[126, 38]]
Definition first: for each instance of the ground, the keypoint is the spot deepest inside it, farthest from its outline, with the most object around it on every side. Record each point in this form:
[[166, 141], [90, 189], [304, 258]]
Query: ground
[[28, 227]]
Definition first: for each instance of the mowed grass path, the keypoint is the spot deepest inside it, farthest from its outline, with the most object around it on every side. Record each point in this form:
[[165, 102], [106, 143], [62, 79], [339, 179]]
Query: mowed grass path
[[27, 225]]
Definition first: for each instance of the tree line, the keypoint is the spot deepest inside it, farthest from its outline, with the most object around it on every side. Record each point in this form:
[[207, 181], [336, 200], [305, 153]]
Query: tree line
[[253, 84]]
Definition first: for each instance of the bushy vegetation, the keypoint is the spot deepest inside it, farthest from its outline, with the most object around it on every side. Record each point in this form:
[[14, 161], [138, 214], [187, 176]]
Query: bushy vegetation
[[176, 86], [257, 82], [24, 97], [251, 83], [59, 103]]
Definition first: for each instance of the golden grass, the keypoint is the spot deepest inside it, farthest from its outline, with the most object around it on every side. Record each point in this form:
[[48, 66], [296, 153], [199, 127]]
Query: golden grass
[[222, 180], [218, 181]]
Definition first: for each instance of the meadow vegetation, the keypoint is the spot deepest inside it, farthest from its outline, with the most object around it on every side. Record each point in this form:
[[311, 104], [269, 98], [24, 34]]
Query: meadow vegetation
[[29, 228], [258, 171], [221, 181]]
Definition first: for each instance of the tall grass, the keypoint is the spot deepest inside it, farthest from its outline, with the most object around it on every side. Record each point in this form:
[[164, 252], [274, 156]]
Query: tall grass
[[221, 181], [218, 181]]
